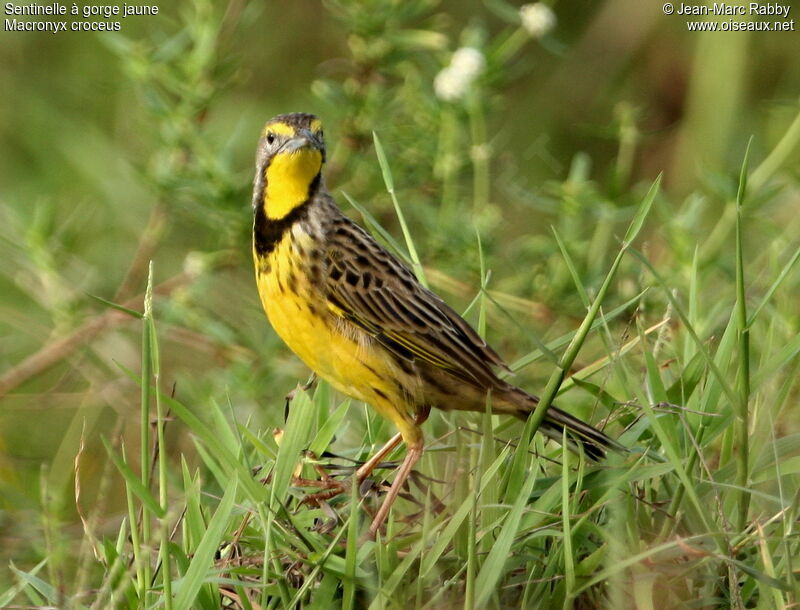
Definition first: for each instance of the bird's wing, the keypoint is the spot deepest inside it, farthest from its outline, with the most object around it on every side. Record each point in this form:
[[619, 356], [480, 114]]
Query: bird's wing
[[372, 289]]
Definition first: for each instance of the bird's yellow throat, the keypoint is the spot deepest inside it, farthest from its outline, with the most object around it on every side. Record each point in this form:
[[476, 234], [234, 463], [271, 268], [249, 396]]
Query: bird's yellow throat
[[287, 180]]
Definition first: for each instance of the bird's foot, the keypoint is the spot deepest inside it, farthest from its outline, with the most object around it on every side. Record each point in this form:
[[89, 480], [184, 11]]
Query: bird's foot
[[332, 489]]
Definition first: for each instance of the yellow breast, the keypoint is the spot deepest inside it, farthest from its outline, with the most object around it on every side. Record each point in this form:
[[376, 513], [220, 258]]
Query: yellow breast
[[298, 312]]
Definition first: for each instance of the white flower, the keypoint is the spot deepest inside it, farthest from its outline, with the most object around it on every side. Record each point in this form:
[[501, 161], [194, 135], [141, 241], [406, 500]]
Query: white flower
[[468, 61], [453, 82], [194, 264], [448, 86], [537, 18]]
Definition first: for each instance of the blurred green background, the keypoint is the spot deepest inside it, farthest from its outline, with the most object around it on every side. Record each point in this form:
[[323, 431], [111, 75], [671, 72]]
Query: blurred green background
[[121, 148]]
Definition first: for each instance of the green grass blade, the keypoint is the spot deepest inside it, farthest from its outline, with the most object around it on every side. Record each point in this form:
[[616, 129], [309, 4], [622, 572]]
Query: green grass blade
[[389, 182], [434, 553], [778, 156], [144, 426], [774, 286], [781, 358], [188, 586], [556, 379], [566, 515], [30, 579], [292, 444], [134, 483], [8, 596], [642, 212], [731, 395], [349, 583], [492, 570], [385, 235], [329, 428], [295, 437], [560, 342], [743, 332], [118, 307], [227, 460], [576, 279]]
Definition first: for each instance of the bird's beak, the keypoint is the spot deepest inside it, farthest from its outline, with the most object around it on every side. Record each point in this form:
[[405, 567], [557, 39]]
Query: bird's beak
[[303, 139]]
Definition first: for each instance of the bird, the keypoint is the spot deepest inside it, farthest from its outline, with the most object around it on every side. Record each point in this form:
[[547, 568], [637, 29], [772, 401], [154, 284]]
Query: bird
[[360, 319]]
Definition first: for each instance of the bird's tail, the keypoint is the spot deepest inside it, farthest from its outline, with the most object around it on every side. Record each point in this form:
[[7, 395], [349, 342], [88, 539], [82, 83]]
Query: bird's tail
[[595, 443]]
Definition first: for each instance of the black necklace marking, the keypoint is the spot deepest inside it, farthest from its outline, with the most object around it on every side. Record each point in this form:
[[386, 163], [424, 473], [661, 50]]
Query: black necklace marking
[[267, 232]]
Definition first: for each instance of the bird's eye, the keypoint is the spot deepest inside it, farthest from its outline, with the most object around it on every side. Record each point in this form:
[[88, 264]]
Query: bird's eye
[[270, 138]]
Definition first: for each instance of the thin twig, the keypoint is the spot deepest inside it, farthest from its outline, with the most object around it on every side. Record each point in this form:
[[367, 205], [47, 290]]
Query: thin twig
[[57, 350], [148, 244]]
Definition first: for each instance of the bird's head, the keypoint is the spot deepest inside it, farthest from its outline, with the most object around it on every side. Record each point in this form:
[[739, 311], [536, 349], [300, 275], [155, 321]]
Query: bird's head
[[289, 161]]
